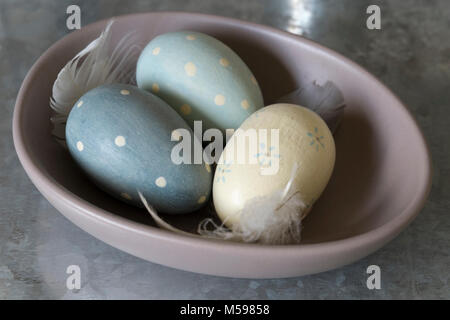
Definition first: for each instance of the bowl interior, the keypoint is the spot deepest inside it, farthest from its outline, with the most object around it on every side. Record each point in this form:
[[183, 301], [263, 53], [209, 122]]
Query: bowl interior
[[380, 165]]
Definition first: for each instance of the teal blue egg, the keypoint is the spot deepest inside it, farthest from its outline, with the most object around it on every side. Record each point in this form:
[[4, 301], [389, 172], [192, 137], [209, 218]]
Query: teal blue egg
[[201, 78], [121, 136]]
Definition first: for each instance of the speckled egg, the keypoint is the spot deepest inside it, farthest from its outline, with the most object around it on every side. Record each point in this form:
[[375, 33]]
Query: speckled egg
[[303, 149], [201, 78], [121, 137]]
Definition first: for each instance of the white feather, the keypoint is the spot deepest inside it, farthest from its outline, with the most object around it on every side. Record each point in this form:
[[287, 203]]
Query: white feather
[[275, 219], [93, 66], [160, 222]]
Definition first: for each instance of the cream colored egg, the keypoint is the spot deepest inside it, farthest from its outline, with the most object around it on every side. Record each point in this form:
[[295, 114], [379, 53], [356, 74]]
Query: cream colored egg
[[289, 143]]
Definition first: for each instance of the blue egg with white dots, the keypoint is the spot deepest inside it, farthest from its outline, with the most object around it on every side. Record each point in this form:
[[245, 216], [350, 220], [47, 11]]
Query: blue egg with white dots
[[201, 78], [123, 138]]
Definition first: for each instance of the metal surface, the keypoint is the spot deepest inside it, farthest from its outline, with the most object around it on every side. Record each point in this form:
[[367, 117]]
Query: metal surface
[[411, 54]]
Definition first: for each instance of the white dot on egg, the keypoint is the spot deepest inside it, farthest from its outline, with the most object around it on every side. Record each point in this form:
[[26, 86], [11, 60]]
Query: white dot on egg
[[190, 37], [245, 104], [190, 69], [80, 146], [124, 92], [125, 196], [201, 199], [161, 182], [176, 136], [80, 104], [224, 62], [156, 51], [219, 100], [120, 141], [155, 87], [186, 109]]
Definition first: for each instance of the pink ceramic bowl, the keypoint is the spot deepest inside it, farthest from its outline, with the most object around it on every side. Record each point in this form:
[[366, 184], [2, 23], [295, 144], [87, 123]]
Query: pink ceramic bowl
[[380, 182]]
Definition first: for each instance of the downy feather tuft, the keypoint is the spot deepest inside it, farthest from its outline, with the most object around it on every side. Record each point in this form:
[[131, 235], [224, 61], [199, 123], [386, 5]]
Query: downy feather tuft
[[93, 66]]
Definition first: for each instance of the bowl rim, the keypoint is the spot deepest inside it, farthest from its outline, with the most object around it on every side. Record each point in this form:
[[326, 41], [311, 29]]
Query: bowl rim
[[386, 231]]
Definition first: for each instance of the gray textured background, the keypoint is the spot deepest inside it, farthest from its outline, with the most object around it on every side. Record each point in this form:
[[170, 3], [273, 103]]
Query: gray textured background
[[411, 54]]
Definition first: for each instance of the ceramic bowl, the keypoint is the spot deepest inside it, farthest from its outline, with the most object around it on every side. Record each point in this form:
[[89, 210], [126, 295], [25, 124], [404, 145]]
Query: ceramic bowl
[[380, 181]]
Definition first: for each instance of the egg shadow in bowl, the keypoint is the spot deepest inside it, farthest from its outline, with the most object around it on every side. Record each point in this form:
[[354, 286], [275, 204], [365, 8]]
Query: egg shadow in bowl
[[337, 213], [273, 75], [380, 182]]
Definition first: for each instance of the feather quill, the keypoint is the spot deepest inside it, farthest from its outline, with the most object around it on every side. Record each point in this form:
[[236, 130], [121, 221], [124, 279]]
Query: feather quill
[[160, 222], [93, 66]]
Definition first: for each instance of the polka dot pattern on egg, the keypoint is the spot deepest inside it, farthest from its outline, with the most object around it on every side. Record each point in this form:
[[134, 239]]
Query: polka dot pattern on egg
[[120, 141], [197, 73], [186, 109], [219, 100], [161, 182], [156, 51], [176, 136], [123, 137], [224, 62], [79, 104], [244, 104], [190, 69], [125, 196], [201, 199]]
